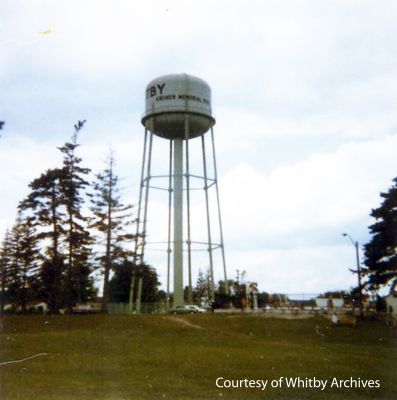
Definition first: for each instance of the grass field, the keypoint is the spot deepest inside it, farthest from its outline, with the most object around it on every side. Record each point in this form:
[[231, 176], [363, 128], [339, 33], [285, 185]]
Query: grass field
[[164, 357]]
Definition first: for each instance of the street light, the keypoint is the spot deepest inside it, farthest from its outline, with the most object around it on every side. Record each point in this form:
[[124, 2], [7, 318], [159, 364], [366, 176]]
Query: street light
[[358, 272]]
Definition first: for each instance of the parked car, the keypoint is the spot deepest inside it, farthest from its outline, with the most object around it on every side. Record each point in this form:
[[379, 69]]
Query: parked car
[[200, 310], [187, 309]]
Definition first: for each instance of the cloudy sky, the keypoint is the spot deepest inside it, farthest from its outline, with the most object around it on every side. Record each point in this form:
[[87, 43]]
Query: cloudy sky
[[304, 94]]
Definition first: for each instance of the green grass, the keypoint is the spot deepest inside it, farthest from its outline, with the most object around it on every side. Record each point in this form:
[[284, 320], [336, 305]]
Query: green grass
[[153, 357]]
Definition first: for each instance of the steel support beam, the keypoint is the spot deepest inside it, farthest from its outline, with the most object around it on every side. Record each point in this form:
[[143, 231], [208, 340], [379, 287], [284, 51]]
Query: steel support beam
[[189, 240], [212, 288], [178, 222], [219, 214], [169, 251]]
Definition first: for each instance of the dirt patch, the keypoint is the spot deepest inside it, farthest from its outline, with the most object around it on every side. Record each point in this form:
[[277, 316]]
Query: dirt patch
[[184, 322]]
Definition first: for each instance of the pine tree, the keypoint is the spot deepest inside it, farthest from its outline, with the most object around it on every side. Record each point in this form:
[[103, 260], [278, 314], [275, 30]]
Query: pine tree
[[78, 285], [23, 266], [381, 251], [44, 205], [111, 218], [14, 282], [29, 262], [54, 206], [201, 290], [5, 252], [5, 262]]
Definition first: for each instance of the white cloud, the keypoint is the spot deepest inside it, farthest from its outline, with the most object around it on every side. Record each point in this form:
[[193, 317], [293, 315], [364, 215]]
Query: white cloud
[[324, 191], [297, 270]]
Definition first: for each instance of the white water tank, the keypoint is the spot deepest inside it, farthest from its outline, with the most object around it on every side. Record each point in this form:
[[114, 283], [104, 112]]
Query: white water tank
[[170, 98]]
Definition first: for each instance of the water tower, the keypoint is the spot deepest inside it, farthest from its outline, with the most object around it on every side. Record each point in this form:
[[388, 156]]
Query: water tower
[[178, 109]]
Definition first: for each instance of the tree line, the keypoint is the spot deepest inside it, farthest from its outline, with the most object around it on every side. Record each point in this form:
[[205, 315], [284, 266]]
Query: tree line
[[69, 229]]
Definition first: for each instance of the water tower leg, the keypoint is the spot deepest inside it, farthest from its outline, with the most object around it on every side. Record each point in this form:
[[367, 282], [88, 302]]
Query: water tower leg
[[139, 243], [169, 226], [212, 283], [219, 215], [147, 186], [145, 182], [178, 222], [189, 242], [142, 184]]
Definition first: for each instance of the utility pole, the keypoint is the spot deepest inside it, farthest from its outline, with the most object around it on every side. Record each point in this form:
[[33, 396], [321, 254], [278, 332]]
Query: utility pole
[[358, 271]]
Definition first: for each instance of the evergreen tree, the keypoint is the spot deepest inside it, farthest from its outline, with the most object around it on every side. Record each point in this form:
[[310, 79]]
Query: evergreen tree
[[54, 208], [78, 285], [381, 251], [29, 262], [111, 218], [5, 262], [23, 264], [44, 205], [201, 292], [14, 282]]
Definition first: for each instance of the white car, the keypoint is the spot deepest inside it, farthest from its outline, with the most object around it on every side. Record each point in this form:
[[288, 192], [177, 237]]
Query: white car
[[187, 309], [199, 309]]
